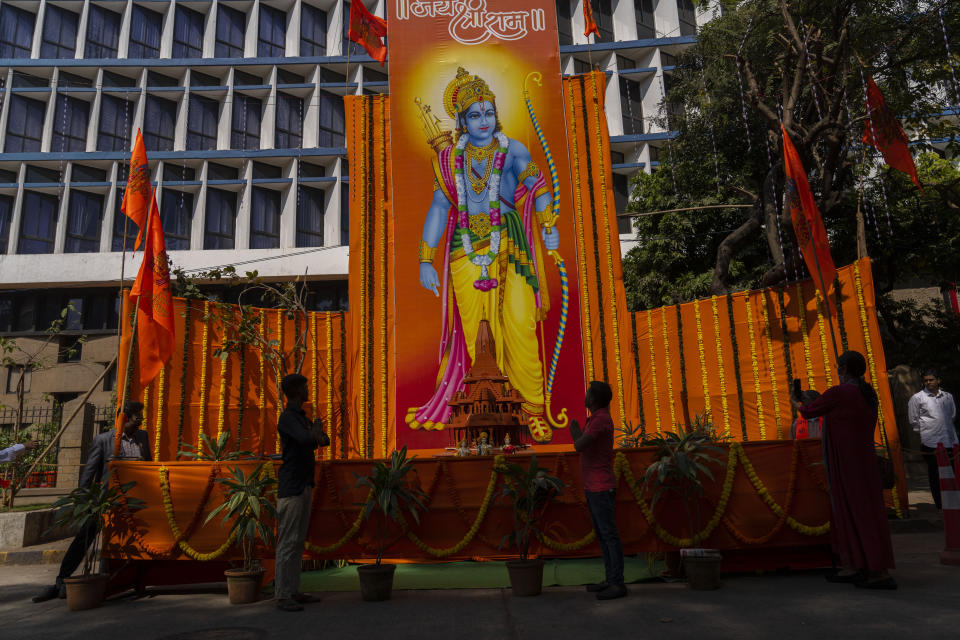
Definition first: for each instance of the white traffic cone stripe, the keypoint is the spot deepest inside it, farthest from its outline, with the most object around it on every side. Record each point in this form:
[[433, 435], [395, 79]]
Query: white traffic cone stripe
[[946, 473]]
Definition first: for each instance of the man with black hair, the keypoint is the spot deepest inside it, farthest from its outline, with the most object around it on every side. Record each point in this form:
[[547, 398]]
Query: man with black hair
[[932, 413], [299, 438], [595, 444]]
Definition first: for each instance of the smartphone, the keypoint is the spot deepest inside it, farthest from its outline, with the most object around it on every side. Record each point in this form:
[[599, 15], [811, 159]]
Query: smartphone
[[797, 393]]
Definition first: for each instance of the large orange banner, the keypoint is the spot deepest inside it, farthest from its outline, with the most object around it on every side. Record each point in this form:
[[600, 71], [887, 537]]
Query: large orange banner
[[477, 109]]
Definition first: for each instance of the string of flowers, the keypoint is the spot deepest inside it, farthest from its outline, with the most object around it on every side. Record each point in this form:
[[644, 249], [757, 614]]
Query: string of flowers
[[805, 335], [720, 373], [280, 368], [581, 249], [183, 374], [841, 324], [772, 365], [653, 374], [821, 326], [364, 313], [222, 396], [262, 396], [204, 344], [786, 345], [703, 360], [314, 370], [329, 359], [736, 366], [754, 364], [175, 529], [781, 518], [343, 385], [636, 367], [243, 395], [669, 376], [161, 402], [683, 363], [146, 406]]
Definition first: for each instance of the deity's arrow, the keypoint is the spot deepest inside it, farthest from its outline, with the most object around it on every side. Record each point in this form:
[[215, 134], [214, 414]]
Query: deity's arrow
[[562, 420]]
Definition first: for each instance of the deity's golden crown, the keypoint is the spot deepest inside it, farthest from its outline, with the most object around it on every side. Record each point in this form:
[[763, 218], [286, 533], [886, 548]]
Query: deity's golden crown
[[463, 91]]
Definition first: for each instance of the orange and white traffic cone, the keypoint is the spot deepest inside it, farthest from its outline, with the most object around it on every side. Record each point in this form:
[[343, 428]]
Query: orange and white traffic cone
[[950, 497]]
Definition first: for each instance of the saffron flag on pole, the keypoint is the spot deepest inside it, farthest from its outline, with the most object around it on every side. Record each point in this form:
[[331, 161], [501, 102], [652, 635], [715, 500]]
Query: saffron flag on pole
[[136, 197], [884, 132], [151, 293], [807, 223], [589, 24], [367, 30]]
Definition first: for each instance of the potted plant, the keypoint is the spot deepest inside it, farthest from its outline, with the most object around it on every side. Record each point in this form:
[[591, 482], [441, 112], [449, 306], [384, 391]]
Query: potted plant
[[391, 493], [247, 504], [681, 461], [529, 490], [84, 508]]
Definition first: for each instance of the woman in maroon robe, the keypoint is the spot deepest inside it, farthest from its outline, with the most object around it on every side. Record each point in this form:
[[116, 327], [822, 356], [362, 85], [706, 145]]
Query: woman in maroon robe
[[861, 534]]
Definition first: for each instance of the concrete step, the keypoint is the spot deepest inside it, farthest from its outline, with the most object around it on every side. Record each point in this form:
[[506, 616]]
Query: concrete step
[[49, 553]]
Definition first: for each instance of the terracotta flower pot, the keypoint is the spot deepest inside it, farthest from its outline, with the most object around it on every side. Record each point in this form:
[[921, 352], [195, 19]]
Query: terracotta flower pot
[[526, 577], [243, 587], [376, 581], [85, 592], [702, 567]]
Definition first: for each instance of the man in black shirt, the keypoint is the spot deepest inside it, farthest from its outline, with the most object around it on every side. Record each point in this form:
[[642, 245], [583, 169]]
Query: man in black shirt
[[298, 439]]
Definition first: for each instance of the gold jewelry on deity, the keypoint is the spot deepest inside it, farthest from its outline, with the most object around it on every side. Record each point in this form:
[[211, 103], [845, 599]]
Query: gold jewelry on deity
[[529, 172], [427, 252], [484, 156], [463, 91], [547, 218]]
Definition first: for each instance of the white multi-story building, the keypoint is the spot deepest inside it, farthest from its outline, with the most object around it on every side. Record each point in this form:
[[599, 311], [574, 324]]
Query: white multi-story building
[[240, 105]]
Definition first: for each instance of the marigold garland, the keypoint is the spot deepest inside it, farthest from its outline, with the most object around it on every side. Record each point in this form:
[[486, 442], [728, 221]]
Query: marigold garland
[[786, 347], [204, 344], [222, 396], [262, 398], [636, 368], [383, 278], [146, 407], [841, 324], [183, 375], [805, 335], [669, 376], [720, 373], [772, 366], [364, 312], [653, 374], [175, 529], [754, 364], [782, 517], [683, 362], [821, 326], [736, 366], [581, 248], [281, 366], [161, 402], [330, 429], [243, 396], [703, 361]]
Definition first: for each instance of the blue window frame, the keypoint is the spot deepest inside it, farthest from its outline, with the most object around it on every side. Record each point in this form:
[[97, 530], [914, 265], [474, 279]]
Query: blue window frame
[[332, 121], [70, 124], [159, 124], [313, 31], [204, 114], [59, 39], [188, 33], [24, 124], [38, 224], [265, 219], [6, 216], [247, 115], [120, 223], [116, 118], [272, 37], [310, 217], [221, 219], [231, 25], [289, 132], [16, 32], [84, 217], [103, 33], [145, 28], [176, 212]]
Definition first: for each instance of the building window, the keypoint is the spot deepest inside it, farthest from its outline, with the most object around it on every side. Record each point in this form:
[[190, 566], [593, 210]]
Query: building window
[[265, 219], [564, 22], [176, 211], [631, 106], [24, 124], [348, 44], [110, 379], [309, 217], [344, 216], [70, 124], [621, 197], [289, 122], [272, 38], [188, 33], [16, 32], [122, 225], [14, 374], [159, 124], [103, 33], [59, 38], [6, 215], [603, 15], [332, 121], [83, 222], [111, 79], [38, 229], [231, 25], [202, 123], [245, 132], [221, 219], [116, 116], [688, 18], [313, 31], [145, 28], [646, 26]]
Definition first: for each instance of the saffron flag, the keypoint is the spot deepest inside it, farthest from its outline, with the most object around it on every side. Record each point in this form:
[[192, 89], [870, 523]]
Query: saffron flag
[[136, 197], [807, 224], [589, 24], [367, 30], [151, 293], [884, 132]]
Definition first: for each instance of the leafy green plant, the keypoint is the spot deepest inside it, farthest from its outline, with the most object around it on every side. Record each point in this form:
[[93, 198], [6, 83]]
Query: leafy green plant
[[391, 493], [87, 505], [529, 490], [247, 503], [216, 451], [630, 436]]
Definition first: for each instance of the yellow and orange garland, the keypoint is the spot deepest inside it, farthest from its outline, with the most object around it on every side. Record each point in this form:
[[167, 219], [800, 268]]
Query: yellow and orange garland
[[805, 335], [653, 373], [175, 528], [720, 374], [772, 365], [205, 342], [703, 360], [755, 365], [669, 376]]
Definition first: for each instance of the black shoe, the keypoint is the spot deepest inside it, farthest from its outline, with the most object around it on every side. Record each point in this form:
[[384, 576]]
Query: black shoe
[[48, 593], [288, 604], [305, 598], [612, 592], [597, 588]]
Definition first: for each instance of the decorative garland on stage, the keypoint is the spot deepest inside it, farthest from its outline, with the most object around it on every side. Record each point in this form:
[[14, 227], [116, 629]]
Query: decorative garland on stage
[[669, 376], [773, 368], [720, 374], [205, 341], [804, 334], [179, 536], [653, 374], [755, 365]]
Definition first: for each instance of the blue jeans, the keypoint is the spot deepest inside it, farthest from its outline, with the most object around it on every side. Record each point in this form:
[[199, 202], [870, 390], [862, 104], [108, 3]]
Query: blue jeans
[[603, 512]]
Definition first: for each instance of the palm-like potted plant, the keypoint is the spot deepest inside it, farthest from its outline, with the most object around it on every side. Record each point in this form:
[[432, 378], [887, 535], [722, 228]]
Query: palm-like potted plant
[[681, 462], [85, 508], [529, 490], [391, 493], [248, 507]]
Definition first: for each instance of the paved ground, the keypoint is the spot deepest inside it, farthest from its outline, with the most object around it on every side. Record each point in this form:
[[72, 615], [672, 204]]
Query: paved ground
[[793, 605]]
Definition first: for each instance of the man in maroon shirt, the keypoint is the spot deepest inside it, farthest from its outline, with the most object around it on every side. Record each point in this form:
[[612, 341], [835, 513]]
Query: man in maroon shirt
[[595, 444]]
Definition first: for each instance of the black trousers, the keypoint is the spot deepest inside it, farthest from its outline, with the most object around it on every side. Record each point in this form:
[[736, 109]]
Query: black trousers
[[933, 471], [73, 558], [603, 512]]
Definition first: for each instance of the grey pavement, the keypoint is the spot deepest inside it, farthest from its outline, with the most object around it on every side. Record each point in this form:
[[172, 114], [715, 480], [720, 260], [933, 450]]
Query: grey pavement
[[781, 605]]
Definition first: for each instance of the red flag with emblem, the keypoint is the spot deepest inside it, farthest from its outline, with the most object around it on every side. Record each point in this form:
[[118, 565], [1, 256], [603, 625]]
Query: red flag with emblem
[[807, 223], [589, 24], [155, 308], [136, 197], [367, 30], [884, 132]]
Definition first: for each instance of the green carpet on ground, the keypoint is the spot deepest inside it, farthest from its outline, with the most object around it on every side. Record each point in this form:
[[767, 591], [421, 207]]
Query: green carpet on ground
[[480, 575]]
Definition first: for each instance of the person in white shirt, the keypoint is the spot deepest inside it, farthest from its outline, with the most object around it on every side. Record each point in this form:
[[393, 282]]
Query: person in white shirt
[[932, 413], [13, 452]]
